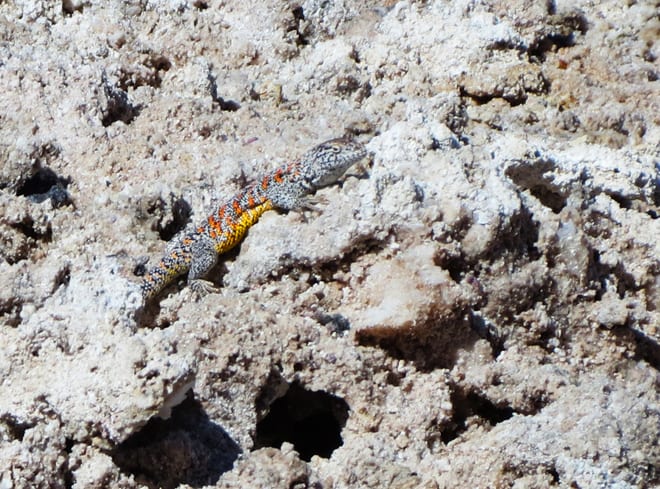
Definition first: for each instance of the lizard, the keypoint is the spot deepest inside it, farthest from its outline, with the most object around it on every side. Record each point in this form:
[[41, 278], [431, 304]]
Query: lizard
[[289, 187]]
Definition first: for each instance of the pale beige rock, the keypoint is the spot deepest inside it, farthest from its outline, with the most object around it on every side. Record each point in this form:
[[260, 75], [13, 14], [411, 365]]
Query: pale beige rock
[[479, 308]]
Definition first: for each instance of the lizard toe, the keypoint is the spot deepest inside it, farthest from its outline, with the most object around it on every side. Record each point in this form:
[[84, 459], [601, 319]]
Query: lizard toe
[[202, 287]]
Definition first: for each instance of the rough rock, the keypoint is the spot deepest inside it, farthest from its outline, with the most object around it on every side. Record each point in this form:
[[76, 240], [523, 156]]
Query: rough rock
[[477, 305]]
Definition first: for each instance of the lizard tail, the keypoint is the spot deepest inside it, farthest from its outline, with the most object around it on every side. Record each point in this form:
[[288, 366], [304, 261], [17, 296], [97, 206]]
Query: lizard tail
[[171, 266]]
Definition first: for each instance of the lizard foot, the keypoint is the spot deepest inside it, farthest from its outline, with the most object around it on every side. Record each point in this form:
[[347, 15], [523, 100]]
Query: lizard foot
[[311, 204], [202, 287]]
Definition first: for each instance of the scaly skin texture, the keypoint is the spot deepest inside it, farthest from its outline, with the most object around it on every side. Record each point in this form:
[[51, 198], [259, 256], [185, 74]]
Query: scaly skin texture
[[289, 187]]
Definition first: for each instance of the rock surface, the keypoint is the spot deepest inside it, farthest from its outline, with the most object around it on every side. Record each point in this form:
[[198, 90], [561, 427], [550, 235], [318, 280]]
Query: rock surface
[[478, 309]]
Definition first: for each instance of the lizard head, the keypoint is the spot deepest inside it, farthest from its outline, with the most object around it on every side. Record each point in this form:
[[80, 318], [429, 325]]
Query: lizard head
[[325, 163]]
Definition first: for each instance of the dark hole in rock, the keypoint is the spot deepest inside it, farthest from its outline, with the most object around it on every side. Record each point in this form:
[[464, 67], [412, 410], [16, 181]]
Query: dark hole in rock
[[227, 105], [553, 200], [118, 106], [454, 263], [472, 404], [310, 420], [298, 15], [188, 448], [71, 6], [68, 477], [160, 62], [62, 278], [554, 474], [488, 331], [15, 428], [336, 323], [31, 230], [535, 177], [169, 215], [431, 344], [140, 267], [623, 201], [119, 109], [561, 35], [646, 348], [10, 311], [520, 238], [46, 184], [181, 212]]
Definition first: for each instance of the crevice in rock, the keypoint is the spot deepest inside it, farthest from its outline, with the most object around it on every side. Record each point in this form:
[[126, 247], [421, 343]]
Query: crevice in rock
[[623, 201], [336, 323], [172, 215], [10, 311], [549, 198], [15, 427], [297, 15], [71, 6], [310, 420], [552, 471], [431, 345], [181, 212], [28, 228], [488, 331], [558, 33], [159, 63], [602, 277], [514, 93], [326, 272], [46, 184], [118, 106], [225, 105], [188, 448], [546, 339], [148, 72], [141, 267], [346, 85], [646, 348], [517, 239], [530, 176], [62, 278], [455, 263], [67, 476], [148, 316], [470, 403], [22, 237]]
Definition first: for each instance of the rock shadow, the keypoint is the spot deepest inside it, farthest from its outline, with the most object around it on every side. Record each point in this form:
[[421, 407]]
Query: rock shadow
[[188, 448]]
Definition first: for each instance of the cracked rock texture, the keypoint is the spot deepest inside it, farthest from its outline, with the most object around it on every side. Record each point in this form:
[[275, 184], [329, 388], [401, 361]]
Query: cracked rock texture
[[478, 306]]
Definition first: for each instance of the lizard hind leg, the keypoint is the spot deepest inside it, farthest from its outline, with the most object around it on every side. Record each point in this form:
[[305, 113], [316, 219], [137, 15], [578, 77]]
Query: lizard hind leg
[[204, 258]]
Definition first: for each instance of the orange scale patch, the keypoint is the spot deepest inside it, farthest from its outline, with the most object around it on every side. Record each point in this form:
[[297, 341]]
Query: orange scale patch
[[215, 224]]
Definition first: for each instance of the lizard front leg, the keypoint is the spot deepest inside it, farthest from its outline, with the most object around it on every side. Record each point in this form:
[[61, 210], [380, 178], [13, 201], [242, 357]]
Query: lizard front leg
[[204, 258]]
